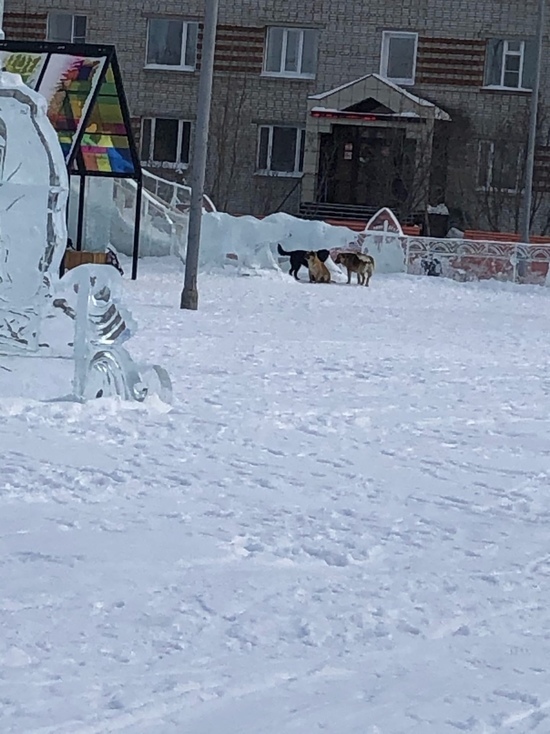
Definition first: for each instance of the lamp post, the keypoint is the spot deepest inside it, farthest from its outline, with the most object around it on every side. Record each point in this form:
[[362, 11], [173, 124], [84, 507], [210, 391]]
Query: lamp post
[[525, 226], [190, 295]]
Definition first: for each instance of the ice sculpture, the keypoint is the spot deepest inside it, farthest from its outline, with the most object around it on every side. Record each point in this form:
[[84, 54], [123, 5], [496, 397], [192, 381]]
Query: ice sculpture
[[33, 236], [33, 198], [103, 367]]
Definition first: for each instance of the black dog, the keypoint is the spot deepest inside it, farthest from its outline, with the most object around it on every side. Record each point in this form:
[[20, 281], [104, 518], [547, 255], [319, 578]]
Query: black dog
[[298, 258]]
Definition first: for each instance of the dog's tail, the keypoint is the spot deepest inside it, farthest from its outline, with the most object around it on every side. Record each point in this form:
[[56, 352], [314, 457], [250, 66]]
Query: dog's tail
[[282, 252], [367, 259]]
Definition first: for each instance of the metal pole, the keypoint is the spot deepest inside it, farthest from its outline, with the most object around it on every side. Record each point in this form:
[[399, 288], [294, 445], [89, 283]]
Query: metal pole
[[137, 228], [525, 227], [2, 36], [80, 220], [190, 295]]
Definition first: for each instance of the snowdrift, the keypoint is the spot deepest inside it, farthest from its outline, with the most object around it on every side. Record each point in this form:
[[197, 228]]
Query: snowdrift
[[251, 243]]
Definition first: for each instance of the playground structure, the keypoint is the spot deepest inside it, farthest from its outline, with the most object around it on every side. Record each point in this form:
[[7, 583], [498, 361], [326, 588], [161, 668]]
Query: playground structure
[[112, 200]]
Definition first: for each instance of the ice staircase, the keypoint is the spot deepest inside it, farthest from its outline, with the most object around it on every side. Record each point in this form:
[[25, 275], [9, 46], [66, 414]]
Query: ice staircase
[[164, 213]]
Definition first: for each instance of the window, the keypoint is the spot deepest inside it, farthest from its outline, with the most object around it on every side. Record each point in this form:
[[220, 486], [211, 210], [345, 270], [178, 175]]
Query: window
[[66, 28], [171, 44], [499, 165], [398, 57], [165, 142], [281, 150], [510, 64], [291, 52]]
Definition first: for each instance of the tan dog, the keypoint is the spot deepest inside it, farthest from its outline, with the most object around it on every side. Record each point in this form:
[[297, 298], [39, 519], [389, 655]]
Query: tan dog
[[318, 271], [356, 262]]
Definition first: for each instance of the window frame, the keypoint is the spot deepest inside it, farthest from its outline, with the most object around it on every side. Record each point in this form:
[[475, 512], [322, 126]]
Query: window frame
[[182, 66], [506, 52], [385, 56], [73, 17], [298, 156], [177, 165], [283, 73], [489, 187]]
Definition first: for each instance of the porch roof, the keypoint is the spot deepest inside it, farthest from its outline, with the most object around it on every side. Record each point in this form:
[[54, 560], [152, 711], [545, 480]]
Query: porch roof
[[395, 101]]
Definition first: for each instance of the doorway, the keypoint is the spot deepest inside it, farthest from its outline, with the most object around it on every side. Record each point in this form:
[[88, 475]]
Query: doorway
[[366, 166]]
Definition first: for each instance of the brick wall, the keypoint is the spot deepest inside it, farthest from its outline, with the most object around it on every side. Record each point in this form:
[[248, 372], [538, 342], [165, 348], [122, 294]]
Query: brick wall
[[455, 62], [25, 26], [239, 49], [452, 38]]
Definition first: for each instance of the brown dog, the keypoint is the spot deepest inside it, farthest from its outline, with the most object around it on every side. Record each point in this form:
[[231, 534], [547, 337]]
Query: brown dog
[[356, 262], [318, 271]]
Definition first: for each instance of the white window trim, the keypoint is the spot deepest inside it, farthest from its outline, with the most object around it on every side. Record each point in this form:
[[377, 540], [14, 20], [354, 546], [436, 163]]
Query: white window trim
[[385, 52], [506, 52], [73, 18], [152, 163], [282, 73], [279, 174], [491, 143], [172, 67]]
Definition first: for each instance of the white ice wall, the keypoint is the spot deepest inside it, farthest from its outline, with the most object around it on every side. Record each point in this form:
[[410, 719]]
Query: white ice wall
[[254, 241]]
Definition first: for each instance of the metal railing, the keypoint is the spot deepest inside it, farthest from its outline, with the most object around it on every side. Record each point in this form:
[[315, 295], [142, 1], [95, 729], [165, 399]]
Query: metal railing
[[175, 195], [164, 212]]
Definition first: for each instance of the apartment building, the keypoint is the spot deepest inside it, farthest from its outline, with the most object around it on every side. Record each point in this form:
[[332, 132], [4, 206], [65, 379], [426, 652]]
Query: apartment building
[[329, 107]]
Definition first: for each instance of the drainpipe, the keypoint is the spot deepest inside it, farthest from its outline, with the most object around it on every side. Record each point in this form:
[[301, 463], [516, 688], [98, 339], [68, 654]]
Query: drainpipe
[[525, 226]]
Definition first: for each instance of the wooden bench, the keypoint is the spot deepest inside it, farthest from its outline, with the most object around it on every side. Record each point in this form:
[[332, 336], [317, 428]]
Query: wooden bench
[[480, 236], [73, 258]]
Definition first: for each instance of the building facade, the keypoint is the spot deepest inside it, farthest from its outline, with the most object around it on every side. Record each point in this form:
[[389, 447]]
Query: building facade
[[330, 107]]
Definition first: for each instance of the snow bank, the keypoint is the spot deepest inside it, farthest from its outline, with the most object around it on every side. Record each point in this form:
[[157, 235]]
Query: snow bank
[[246, 242], [251, 243]]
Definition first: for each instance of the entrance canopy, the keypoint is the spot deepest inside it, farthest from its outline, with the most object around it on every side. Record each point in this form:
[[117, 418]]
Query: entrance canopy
[[371, 98], [369, 144]]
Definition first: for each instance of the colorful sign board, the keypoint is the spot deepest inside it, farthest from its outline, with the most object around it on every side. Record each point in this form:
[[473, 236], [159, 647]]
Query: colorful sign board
[[86, 103]]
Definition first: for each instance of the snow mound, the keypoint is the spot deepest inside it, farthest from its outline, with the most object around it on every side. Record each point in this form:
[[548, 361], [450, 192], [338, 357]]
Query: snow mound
[[249, 243]]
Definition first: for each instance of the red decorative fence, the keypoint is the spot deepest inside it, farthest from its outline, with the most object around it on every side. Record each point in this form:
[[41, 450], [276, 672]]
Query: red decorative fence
[[480, 260]]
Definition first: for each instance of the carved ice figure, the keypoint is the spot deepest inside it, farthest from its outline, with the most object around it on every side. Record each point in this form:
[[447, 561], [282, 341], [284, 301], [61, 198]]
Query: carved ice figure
[[33, 197], [103, 368], [33, 235]]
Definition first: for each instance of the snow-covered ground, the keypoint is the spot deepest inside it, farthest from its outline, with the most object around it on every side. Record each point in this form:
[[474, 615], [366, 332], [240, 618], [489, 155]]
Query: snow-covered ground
[[342, 526]]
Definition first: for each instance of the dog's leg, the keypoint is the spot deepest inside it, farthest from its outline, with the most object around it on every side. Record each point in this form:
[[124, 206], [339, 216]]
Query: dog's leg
[[349, 276], [367, 279]]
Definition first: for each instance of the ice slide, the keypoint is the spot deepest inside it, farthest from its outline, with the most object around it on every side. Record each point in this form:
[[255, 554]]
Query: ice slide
[[110, 212]]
